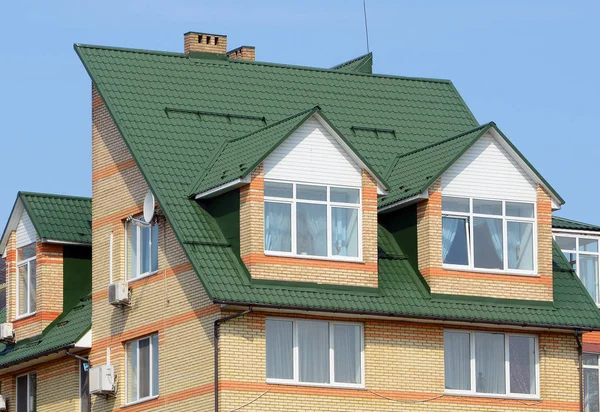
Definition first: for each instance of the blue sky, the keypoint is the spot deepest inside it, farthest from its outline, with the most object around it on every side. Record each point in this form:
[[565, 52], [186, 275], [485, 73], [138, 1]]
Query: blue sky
[[531, 66]]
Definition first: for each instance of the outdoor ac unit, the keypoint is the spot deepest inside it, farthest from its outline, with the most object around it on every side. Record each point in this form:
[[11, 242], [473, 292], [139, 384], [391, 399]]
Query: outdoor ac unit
[[2, 403], [118, 294], [6, 332], [102, 380]]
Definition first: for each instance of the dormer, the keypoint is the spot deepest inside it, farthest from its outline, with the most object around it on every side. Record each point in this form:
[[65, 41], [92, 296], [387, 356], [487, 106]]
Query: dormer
[[308, 202], [47, 247], [483, 217]]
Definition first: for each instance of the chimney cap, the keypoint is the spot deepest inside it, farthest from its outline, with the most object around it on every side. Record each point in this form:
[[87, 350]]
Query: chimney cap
[[201, 32]]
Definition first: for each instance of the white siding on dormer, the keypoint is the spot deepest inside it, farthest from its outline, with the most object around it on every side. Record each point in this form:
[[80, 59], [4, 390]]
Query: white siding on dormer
[[312, 155], [487, 170], [25, 231]]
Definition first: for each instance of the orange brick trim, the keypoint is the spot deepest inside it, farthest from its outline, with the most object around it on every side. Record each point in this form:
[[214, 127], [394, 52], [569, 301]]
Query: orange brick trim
[[313, 263], [113, 169], [169, 399], [39, 316], [537, 280], [117, 217], [591, 347], [592, 337]]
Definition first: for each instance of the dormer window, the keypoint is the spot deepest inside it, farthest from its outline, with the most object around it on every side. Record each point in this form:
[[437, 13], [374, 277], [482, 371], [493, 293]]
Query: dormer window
[[488, 235], [583, 254], [312, 221], [142, 249], [26, 280]]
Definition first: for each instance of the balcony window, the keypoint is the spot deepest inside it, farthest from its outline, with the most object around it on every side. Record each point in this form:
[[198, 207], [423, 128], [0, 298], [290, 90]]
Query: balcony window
[[591, 382], [583, 254], [26, 280]]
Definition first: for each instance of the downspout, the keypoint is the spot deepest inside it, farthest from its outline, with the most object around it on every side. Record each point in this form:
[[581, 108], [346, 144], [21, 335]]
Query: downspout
[[580, 362], [216, 349], [81, 358]]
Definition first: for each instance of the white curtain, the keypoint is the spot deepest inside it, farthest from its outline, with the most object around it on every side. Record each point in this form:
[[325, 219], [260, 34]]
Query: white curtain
[[449, 228], [491, 228], [132, 379], [278, 227], [522, 364], [344, 231], [489, 363], [457, 360], [346, 352], [280, 349], [313, 351], [520, 245]]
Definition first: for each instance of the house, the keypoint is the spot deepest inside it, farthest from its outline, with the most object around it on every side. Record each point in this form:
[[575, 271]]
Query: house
[[47, 247], [579, 243]]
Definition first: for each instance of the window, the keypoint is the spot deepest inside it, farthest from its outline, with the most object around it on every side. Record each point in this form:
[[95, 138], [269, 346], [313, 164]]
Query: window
[[491, 363], [26, 280], [582, 253], [315, 352], [85, 404], [591, 383], [26, 393], [490, 235], [312, 221], [142, 369], [142, 249]]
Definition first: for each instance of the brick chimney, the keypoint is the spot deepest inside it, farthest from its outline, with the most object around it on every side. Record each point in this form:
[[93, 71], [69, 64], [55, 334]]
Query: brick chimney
[[242, 53], [204, 42]]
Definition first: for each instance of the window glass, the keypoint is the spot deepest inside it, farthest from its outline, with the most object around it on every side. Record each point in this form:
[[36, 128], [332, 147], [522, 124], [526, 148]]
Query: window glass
[[142, 368], [520, 245], [457, 360], [590, 359], [588, 245], [22, 396], [591, 399], [522, 364], [23, 289], [488, 243], [455, 204], [311, 228], [343, 195], [277, 189], [132, 251], [487, 207], [572, 259], [132, 367], [519, 209], [307, 192], [278, 227], [454, 241], [347, 350], [489, 363], [280, 346], [26, 252], [142, 249], [344, 231], [588, 273], [566, 243], [32, 286], [313, 351]]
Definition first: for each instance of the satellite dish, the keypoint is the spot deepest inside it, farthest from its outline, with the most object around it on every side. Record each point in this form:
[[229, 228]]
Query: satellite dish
[[148, 207]]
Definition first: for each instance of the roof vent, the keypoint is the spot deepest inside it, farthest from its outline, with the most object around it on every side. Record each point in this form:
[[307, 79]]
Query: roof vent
[[204, 42]]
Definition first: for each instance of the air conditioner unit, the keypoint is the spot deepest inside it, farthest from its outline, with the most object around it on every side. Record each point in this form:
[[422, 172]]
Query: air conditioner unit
[[2, 404], [6, 332], [118, 294], [102, 380]]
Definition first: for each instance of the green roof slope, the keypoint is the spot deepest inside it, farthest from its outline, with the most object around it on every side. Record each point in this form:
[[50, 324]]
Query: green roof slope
[[563, 223], [360, 64], [58, 217], [61, 334]]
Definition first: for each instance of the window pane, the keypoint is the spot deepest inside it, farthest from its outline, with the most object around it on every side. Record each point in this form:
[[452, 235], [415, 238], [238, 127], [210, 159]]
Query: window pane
[[566, 243], [311, 192], [487, 207], [457, 360], [455, 204], [22, 382], [23, 289], [346, 353], [488, 243], [344, 232], [588, 272], [454, 241], [32, 286], [276, 189], [154, 339], [311, 228], [339, 194], [589, 359], [520, 245], [313, 351], [519, 209], [522, 364], [144, 368], [132, 379], [26, 252], [280, 348], [132, 269], [572, 259], [278, 227], [489, 363], [32, 392], [591, 400], [145, 249], [588, 245], [154, 248], [84, 388]]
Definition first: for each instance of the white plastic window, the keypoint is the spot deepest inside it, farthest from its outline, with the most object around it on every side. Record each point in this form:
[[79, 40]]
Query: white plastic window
[[583, 254], [142, 249], [26, 280], [142, 369], [26, 393]]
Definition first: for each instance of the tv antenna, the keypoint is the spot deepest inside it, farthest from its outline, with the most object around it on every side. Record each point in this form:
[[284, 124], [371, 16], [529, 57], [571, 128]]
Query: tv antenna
[[366, 26]]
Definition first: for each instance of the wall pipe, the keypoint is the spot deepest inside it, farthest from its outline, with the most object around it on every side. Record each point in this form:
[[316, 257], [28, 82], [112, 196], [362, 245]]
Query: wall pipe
[[580, 370]]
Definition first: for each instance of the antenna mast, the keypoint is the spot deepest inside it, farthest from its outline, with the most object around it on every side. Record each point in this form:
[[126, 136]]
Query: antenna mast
[[366, 26]]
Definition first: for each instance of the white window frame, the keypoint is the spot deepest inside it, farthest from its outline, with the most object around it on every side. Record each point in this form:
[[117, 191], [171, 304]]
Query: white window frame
[[597, 367], [21, 263], [137, 369], [505, 219], [128, 224], [28, 407], [296, 360], [508, 394], [577, 252], [294, 201]]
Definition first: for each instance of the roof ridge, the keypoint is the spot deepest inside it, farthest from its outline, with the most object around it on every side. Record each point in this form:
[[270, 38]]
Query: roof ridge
[[53, 195], [346, 63]]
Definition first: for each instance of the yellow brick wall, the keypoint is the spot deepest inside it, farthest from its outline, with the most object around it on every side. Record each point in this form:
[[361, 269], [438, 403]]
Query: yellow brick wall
[[403, 362], [510, 286], [262, 266]]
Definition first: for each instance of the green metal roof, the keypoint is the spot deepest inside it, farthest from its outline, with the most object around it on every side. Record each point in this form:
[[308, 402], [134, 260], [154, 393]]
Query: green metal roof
[[382, 117], [361, 64], [563, 223], [61, 334]]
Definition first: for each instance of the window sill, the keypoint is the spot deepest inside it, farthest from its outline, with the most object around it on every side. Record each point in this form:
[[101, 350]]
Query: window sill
[[311, 257], [149, 398], [459, 268], [145, 275], [27, 315], [316, 385], [494, 396]]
